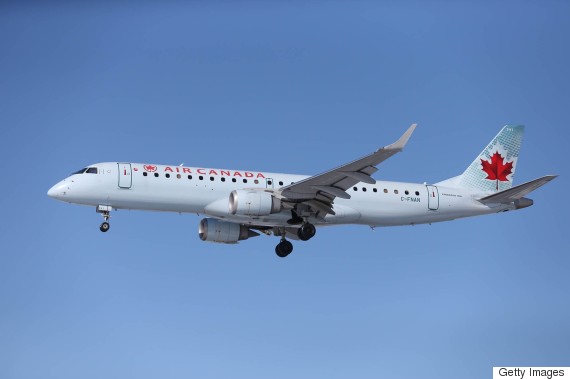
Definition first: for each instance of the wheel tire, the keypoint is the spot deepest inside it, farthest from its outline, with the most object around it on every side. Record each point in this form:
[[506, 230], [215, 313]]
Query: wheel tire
[[104, 227], [287, 247], [283, 249], [279, 251], [306, 232]]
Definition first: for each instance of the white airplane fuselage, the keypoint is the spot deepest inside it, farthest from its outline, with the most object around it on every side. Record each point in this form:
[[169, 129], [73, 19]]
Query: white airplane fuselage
[[242, 204], [206, 191]]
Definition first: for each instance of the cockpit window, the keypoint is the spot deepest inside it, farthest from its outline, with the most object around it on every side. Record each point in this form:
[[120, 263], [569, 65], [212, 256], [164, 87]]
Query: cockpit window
[[80, 171], [86, 170]]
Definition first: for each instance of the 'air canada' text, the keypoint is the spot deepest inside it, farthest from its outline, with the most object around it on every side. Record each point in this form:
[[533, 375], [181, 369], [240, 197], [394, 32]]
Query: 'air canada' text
[[206, 171]]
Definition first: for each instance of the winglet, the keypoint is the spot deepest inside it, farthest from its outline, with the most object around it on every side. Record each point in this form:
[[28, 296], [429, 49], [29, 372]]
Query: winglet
[[399, 144]]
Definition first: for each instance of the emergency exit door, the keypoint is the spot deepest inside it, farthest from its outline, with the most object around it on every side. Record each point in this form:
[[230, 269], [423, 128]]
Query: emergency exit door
[[433, 198], [125, 177]]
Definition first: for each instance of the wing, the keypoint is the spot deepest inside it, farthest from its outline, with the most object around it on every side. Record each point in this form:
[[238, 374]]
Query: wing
[[319, 191]]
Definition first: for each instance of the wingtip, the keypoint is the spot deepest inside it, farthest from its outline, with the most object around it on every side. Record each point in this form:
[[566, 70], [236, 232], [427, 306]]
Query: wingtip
[[403, 140]]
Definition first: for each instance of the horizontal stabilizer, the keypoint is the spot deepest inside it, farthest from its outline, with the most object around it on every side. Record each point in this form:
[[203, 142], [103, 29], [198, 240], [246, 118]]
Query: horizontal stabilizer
[[518, 192]]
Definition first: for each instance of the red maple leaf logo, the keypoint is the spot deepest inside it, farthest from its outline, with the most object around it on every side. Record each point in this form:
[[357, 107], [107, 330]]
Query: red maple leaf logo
[[149, 168], [496, 168]]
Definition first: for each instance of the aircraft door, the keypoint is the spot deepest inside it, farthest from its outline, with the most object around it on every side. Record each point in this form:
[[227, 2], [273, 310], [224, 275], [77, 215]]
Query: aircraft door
[[125, 175], [433, 198]]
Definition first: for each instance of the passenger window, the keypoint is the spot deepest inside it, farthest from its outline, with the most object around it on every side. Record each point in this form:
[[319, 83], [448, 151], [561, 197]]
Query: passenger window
[[145, 174], [190, 177], [156, 174], [396, 192], [374, 190], [223, 179], [354, 188], [269, 182], [363, 189], [167, 175], [256, 181], [178, 176], [280, 183], [201, 177], [417, 193], [407, 192], [385, 190], [245, 180], [234, 180], [211, 178]]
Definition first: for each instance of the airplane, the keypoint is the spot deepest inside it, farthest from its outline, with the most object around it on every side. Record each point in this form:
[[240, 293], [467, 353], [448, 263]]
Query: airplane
[[242, 204]]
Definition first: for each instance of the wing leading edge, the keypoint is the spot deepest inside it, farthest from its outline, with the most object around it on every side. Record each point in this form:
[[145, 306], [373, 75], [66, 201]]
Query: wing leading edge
[[319, 191]]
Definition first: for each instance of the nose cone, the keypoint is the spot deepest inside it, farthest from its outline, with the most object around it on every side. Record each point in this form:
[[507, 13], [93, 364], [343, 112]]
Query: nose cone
[[58, 191], [52, 191]]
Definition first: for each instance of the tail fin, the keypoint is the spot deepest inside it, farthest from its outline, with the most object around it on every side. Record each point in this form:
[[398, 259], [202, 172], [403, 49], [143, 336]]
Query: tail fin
[[494, 169]]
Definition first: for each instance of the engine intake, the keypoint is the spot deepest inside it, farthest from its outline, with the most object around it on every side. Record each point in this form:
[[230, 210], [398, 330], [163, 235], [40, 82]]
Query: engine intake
[[253, 203], [213, 230]]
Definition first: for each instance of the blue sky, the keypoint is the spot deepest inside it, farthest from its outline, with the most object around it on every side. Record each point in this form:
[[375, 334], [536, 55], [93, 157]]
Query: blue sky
[[286, 87]]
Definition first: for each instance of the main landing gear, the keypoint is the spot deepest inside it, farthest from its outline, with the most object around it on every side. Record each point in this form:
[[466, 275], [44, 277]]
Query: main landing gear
[[105, 211], [283, 248], [305, 233]]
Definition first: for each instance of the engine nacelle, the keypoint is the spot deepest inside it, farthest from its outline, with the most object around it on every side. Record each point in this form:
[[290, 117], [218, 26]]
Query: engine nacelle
[[253, 203], [213, 230]]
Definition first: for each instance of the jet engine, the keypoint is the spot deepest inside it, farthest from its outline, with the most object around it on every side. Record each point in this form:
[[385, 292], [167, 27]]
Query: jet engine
[[213, 230], [253, 203]]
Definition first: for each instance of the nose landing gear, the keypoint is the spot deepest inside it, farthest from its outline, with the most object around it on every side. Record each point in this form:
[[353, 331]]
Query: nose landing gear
[[104, 226], [105, 211]]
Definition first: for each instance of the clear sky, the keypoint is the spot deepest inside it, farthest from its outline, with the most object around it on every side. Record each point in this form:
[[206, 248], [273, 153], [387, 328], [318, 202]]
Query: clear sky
[[295, 87]]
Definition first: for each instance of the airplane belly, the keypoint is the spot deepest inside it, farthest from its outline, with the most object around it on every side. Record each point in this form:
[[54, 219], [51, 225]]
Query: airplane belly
[[160, 198], [396, 210], [343, 215]]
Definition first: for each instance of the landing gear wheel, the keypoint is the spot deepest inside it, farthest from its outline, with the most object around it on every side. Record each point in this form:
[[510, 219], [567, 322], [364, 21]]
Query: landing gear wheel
[[306, 231], [283, 248], [105, 211], [104, 227]]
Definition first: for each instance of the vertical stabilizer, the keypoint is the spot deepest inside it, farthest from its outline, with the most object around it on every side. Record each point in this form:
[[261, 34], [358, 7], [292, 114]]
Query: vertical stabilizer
[[494, 169]]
